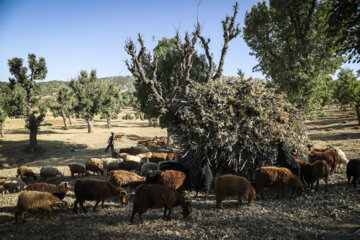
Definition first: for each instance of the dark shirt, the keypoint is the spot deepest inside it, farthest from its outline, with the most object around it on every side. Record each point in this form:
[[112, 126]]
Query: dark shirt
[[111, 138]]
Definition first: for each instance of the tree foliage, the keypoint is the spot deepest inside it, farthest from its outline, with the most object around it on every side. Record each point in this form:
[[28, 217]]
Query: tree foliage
[[347, 90], [344, 27], [237, 125], [166, 92], [288, 40], [112, 103], [88, 97], [21, 79]]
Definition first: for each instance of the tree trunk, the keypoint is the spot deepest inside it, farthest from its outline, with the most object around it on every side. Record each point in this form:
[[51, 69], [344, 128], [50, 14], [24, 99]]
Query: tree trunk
[[108, 120], [141, 116], [64, 119], [1, 129], [357, 108], [150, 122], [169, 138], [70, 120], [90, 126], [33, 139]]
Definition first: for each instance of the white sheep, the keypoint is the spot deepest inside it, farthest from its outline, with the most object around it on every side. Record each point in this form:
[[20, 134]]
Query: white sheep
[[343, 159]]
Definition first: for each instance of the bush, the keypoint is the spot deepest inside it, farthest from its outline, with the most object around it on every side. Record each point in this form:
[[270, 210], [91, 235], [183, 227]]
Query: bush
[[237, 125], [128, 116]]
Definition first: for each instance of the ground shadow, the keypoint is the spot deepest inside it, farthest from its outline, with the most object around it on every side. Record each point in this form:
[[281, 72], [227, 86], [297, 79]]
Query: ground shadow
[[334, 137]]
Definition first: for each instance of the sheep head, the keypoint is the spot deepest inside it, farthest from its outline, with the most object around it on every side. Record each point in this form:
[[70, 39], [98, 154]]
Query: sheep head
[[123, 196]]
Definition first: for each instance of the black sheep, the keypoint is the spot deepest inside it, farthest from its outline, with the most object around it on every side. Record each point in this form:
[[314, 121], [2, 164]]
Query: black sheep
[[286, 159], [202, 178], [353, 170]]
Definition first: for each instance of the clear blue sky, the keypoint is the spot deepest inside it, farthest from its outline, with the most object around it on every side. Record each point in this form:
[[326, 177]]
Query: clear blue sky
[[74, 35]]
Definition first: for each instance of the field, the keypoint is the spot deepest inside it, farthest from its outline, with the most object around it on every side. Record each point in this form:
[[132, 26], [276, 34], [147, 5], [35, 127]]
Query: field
[[315, 215]]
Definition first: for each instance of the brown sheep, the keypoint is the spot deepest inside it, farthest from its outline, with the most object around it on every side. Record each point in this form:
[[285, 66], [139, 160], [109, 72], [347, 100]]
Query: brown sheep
[[278, 177], [121, 177], [171, 178], [330, 155], [59, 191], [34, 200], [158, 157], [231, 185], [153, 196], [315, 171], [95, 168], [25, 172], [98, 190], [77, 168]]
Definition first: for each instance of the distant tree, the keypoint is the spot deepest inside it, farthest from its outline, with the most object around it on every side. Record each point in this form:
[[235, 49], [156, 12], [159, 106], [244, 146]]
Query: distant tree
[[112, 103], [344, 27], [347, 90], [4, 101], [88, 97], [34, 113], [287, 37]]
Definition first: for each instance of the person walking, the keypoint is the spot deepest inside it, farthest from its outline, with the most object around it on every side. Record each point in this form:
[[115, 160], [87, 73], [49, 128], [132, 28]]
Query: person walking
[[110, 143]]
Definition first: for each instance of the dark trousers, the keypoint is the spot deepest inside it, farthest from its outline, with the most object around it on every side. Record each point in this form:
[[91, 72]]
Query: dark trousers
[[110, 146]]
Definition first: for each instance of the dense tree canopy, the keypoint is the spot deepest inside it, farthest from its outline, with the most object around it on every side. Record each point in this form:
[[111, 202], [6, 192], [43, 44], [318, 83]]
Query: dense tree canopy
[[344, 26], [112, 103], [34, 113], [88, 97], [288, 40]]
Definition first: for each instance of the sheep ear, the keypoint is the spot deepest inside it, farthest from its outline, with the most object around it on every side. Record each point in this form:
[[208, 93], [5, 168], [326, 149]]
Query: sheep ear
[[123, 192]]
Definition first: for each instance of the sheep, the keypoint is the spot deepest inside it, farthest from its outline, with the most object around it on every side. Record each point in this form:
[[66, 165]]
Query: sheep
[[170, 156], [158, 157], [79, 169], [135, 150], [287, 160], [90, 166], [132, 158], [171, 178], [202, 178], [97, 162], [231, 185], [25, 172], [153, 196], [121, 178], [34, 200], [13, 184], [51, 172], [311, 172], [353, 171], [171, 165], [59, 191], [278, 177], [148, 166], [342, 157], [330, 155], [152, 176], [129, 166], [107, 161], [96, 189]]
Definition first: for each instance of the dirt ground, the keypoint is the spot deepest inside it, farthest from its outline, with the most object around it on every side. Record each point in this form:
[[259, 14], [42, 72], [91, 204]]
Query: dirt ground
[[315, 215]]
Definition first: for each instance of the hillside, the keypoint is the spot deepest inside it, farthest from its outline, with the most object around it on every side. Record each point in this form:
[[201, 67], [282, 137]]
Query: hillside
[[50, 88]]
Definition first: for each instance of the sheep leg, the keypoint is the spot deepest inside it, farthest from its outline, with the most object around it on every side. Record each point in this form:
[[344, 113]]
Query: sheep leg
[[219, 204], [326, 184], [196, 195], [94, 208], [82, 206], [75, 206], [165, 208], [317, 185], [168, 216], [239, 201], [49, 209], [102, 204]]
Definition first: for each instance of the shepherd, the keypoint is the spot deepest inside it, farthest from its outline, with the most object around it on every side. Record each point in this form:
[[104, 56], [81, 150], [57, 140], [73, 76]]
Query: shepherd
[[110, 143]]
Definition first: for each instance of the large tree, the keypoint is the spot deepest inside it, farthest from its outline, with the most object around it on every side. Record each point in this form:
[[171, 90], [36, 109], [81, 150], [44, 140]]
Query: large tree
[[112, 103], [38, 70], [168, 92], [88, 97], [344, 26], [293, 51]]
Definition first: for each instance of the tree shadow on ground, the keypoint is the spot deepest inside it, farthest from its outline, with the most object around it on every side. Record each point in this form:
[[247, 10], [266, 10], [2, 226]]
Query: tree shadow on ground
[[58, 153], [334, 137]]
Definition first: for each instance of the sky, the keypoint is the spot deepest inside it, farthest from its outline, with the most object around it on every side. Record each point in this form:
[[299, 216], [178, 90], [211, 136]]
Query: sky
[[75, 35]]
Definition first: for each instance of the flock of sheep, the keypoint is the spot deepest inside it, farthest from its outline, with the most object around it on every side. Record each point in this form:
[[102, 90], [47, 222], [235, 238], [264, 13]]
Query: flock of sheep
[[163, 178]]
